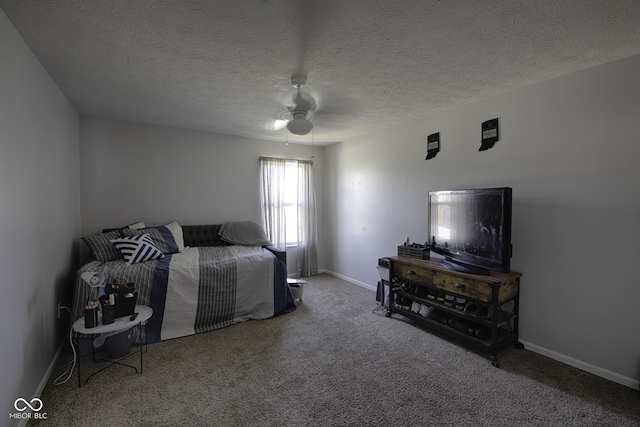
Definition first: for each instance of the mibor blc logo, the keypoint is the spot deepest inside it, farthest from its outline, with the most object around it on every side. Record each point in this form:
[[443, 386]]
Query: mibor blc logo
[[23, 406]]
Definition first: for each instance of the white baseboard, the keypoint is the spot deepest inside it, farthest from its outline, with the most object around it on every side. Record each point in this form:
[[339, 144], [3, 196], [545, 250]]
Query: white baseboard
[[354, 281], [50, 369], [592, 369], [45, 379], [601, 372]]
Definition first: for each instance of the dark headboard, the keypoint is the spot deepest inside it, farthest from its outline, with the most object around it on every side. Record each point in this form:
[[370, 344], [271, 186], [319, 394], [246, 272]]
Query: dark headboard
[[202, 235], [207, 235]]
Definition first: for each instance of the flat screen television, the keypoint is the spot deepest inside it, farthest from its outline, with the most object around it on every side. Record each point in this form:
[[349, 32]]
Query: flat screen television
[[472, 228]]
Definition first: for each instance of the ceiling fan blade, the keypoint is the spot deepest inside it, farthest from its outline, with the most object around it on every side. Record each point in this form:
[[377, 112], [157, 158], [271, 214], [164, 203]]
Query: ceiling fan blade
[[336, 111], [275, 125], [279, 124], [278, 121], [331, 121]]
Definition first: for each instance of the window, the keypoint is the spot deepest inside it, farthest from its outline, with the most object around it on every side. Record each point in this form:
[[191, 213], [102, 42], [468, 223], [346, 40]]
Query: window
[[288, 201]]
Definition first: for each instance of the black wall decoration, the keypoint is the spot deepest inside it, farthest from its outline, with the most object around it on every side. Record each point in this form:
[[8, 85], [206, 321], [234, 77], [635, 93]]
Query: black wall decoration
[[490, 134], [433, 145]]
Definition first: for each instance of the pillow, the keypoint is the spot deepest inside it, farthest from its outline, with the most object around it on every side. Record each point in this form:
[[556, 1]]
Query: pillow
[[137, 249], [135, 226], [245, 233], [100, 247], [168, 238]]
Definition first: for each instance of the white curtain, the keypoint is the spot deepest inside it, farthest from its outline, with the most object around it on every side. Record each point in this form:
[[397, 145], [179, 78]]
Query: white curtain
[[307, 259], [272, 199], [272, 188]]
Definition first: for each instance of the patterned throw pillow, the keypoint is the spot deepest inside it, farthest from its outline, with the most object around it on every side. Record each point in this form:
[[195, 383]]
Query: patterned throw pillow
[[168, 238], [100, 247], [137, 249]]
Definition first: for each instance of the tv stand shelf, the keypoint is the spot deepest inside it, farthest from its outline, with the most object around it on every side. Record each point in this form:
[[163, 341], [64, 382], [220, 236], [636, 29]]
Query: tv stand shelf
[[481, 311]]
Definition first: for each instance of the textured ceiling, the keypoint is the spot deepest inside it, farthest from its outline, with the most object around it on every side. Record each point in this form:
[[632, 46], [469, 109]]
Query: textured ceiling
[[225, 66]]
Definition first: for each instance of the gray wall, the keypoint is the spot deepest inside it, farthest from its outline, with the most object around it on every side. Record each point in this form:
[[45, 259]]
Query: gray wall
[[569, 148], [136, 172], [39, 218]]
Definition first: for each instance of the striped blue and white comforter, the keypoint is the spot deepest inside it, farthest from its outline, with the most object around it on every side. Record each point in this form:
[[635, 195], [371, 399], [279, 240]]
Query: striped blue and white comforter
[[200, 289]]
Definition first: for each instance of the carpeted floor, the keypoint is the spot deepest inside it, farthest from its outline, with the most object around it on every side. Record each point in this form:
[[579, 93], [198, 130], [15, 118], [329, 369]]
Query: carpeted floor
[[336, 361]]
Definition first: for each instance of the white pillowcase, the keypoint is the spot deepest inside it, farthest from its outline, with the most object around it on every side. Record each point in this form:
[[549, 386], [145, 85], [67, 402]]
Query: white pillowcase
[[245, 233], [137, 249]]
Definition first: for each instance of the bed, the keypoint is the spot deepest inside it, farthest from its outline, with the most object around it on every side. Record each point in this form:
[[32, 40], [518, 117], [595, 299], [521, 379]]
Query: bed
[[205, 277]]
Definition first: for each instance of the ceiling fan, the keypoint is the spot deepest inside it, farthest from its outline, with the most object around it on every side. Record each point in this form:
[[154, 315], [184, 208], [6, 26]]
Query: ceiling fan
[[331, 111], [300, 124]]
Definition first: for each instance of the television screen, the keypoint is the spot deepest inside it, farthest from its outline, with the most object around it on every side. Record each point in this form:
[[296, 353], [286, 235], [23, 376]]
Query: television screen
[[472, 228]]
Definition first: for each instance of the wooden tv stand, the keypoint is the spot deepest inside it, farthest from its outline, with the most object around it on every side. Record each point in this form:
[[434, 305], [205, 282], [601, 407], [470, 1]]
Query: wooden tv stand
[[456, 302]]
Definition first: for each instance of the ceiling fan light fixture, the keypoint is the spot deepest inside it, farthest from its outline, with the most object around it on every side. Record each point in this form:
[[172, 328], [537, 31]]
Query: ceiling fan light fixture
[[299, 125]]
